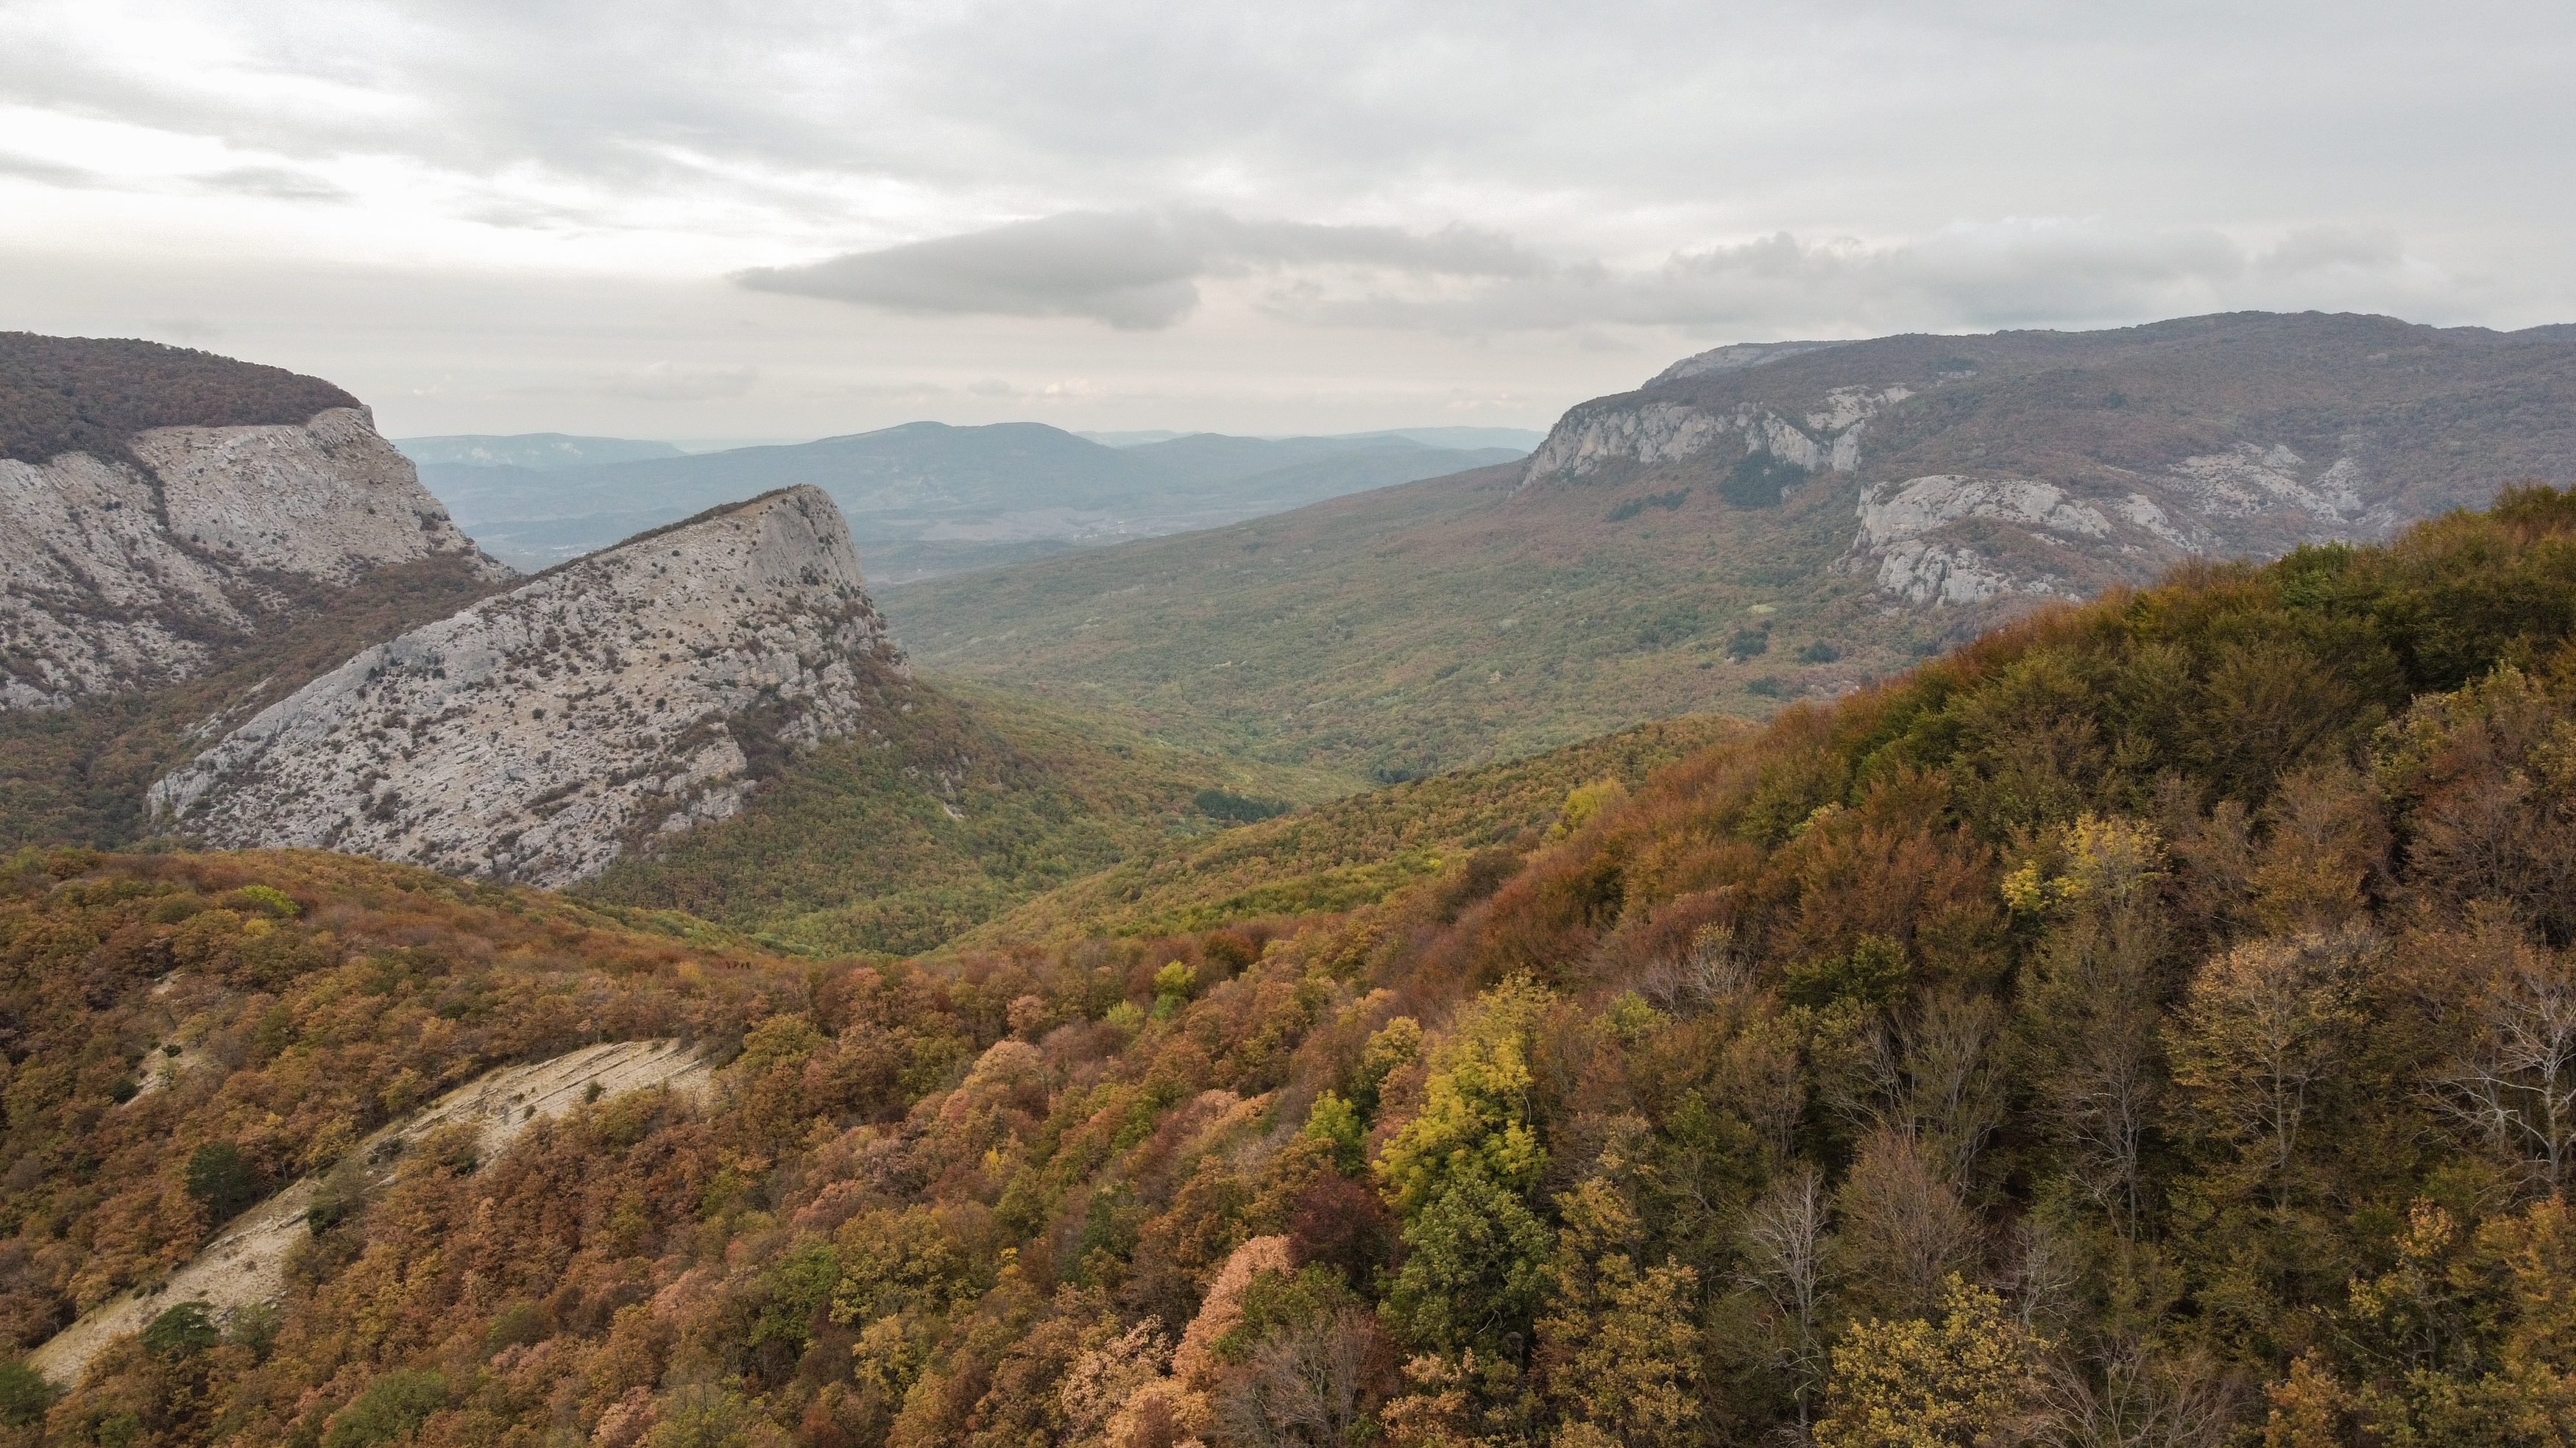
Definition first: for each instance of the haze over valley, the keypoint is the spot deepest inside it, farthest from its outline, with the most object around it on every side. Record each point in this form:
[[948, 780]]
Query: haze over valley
[[924, 498]]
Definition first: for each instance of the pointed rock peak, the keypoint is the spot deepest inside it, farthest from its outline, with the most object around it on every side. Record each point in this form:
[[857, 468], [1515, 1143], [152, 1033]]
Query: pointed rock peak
[[543, 732]]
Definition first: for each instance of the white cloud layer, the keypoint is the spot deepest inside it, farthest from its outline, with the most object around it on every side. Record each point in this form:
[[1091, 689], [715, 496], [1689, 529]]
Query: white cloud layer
[[1253, 198]]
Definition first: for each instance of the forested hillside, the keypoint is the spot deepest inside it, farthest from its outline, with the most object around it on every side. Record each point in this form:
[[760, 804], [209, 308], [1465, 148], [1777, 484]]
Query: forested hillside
[[1353, 851], [2150, 1024], [967, 804], [1739, 538]]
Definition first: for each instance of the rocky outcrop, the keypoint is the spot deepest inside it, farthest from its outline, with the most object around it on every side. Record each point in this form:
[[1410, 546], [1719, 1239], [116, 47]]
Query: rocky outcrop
[[2029, 464], [246, 1262], [543, 732], [1933, 539], [1826, 438], [129, 572]]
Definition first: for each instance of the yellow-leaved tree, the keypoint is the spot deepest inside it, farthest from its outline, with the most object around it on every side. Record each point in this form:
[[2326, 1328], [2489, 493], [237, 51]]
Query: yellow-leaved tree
[[1619, 1346], [1460, 1174], [1916, 1384]]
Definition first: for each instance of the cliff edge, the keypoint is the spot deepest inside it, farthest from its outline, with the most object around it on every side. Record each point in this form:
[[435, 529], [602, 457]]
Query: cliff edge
[[157, 505]]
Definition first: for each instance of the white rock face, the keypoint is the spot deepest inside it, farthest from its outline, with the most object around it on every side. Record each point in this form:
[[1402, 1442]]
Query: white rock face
[[2250, 479], [1922, 572], [112, 580], [1589, 439], [2251, 499], [541, 733], [1893, 513]]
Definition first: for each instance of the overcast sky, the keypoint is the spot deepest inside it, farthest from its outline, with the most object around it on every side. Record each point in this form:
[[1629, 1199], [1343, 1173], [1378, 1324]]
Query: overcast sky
[[672, 218]]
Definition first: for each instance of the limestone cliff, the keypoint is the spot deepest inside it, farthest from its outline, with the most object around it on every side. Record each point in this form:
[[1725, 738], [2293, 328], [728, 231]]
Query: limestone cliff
[[543, 732], [135, 569]]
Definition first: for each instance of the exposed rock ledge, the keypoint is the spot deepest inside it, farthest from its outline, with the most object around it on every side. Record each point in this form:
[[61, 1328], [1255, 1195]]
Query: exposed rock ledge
[[541, 733], [1625, 430], [246, 1262], [110, 579]]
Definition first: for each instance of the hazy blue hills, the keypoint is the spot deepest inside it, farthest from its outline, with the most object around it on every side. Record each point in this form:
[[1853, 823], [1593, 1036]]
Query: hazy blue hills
[[1519, 439], [537, 451], [924, 498]]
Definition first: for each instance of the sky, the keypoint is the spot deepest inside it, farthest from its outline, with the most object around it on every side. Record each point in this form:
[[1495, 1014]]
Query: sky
[[774, 219]]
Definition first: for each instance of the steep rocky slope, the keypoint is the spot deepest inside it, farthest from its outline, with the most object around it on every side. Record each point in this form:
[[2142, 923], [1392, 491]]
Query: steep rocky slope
[[1759, 525], [2038, 463], [541, 733], [159, 507]]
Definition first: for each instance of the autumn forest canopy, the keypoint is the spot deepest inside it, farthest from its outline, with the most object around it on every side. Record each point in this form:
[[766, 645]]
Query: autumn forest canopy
[[2152, 1023]]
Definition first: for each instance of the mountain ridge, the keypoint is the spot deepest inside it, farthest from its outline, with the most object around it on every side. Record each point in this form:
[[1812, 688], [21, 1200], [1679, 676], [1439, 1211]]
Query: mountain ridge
[[757, 606], [928, 497], [1734, 540]]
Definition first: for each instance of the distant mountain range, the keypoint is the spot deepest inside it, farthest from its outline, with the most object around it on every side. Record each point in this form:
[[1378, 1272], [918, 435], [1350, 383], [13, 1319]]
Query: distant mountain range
[[925, 498], [1518, 439], [1761, 524], [535, 451]]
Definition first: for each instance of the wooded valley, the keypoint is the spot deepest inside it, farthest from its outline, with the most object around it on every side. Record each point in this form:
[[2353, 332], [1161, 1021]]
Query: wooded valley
[[2151, 1023]]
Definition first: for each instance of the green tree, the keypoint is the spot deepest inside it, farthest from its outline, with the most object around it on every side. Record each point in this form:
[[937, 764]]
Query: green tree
[[1460, 1174], [1334, 1123], [188, 1327], [389, 1410], [24, 1393], [223, 1177]]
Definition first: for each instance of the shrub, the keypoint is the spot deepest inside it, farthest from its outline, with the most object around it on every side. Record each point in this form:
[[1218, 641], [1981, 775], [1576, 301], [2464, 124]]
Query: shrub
[[391, 1409], [520, 1324], [186, 1328], [24, 1393], [224, 1178]]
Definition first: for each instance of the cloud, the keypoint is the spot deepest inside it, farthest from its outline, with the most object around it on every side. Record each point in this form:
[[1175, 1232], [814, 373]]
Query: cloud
[[668, 382], [1145, 270], [273, 182], [277, 183], [48, 173], [2011, 273], [1134, 270]]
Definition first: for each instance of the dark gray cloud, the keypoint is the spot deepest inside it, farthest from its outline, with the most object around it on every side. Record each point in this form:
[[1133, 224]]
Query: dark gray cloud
[[1136, 270]]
